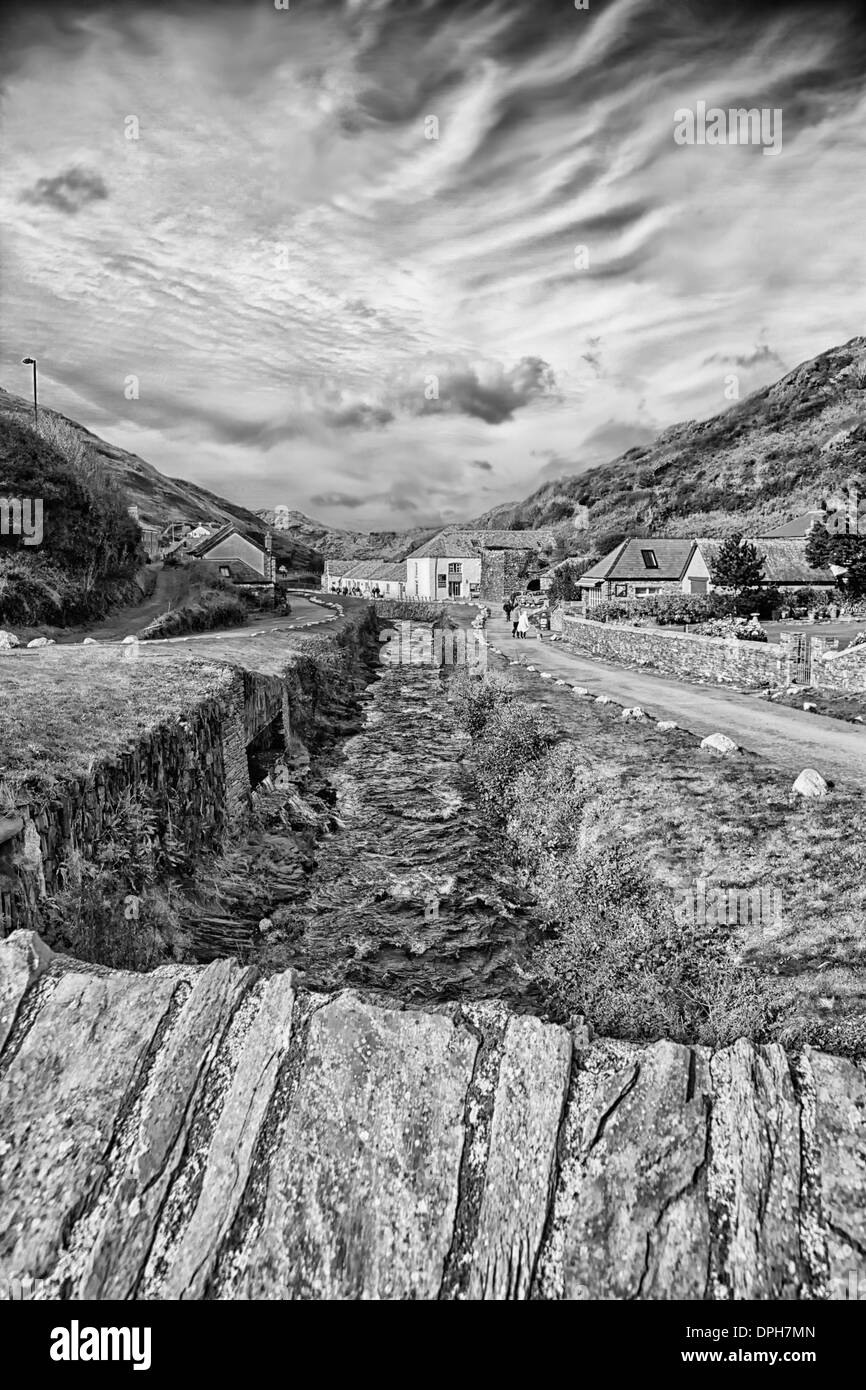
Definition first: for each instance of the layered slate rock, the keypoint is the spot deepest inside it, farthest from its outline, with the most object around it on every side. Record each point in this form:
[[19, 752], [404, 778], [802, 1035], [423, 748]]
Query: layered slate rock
[[203, 1132]]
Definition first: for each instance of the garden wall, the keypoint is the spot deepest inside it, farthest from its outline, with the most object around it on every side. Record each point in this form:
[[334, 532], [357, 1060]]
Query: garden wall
[[844, 671], [676, 653]]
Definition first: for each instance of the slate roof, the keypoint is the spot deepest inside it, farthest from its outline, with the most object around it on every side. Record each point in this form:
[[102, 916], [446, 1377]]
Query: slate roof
[[366, 569], [834, 522], [784, 559], [223, 534], [455, 543], [239, 571], [627, 561]]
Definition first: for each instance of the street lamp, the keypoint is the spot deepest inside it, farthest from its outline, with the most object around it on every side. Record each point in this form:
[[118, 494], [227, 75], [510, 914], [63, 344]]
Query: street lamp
[[31, 362]]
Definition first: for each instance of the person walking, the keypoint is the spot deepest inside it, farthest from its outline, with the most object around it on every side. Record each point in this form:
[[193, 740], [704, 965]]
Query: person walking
[[506, 608], [522, 624], [515, 616]]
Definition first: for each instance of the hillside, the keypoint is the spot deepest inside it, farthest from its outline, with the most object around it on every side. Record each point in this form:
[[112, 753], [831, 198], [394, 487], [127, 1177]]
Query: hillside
[[158, 498], [769, 457], [348, 545]]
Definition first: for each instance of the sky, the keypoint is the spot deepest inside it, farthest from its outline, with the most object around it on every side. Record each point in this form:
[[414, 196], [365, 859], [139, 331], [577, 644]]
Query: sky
[[394, 263]]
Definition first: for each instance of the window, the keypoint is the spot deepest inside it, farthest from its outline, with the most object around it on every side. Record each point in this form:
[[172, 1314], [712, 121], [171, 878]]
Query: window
[[649, 559], [641, 590], [455, 569], [441, 581], [620, 591], [224, 570]]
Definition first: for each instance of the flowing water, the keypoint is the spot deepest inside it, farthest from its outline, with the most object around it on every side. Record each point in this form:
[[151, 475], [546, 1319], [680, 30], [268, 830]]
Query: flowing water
[[413, 891]]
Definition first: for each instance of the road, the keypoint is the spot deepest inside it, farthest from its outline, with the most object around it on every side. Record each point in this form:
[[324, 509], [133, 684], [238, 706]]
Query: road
[[788, 738]]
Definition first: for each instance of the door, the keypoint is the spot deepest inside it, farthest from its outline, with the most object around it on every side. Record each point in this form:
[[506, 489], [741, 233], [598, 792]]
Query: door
[[454, 587]]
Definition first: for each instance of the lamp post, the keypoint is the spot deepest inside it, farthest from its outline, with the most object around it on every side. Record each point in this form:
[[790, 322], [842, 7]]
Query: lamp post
[[31, 362]]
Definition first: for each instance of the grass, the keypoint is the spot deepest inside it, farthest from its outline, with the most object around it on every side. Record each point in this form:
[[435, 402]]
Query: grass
[[68, 708], [736, 822]]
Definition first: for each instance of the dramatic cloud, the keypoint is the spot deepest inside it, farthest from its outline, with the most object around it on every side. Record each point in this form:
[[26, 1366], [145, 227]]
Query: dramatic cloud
[[324, 256], [488, 393], [67, 192]]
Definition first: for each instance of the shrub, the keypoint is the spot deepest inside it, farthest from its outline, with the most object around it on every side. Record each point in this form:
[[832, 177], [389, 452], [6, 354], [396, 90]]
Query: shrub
[[514, 736], [210, 609], [618, 956], [475, 697], [111, 909], [745, 630]]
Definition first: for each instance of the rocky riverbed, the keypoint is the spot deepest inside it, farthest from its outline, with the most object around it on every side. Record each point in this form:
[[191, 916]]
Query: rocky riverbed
[[373, 865]]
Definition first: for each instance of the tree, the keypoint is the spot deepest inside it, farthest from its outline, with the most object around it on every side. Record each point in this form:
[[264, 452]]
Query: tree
[[738, 566], [819, 544], [565, 579]]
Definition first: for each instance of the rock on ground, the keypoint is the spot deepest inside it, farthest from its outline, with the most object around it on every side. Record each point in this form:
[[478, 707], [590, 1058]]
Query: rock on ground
[[810, 783], [719, 743], [203, 1132]]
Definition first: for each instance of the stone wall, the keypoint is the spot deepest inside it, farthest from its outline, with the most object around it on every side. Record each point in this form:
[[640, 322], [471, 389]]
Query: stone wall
[[505, 572], [676, 653], [845, 671], [193, 771], [267, 1143]]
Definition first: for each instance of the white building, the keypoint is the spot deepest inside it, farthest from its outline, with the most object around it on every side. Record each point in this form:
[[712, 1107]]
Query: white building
[[388, 577], [449, 565]]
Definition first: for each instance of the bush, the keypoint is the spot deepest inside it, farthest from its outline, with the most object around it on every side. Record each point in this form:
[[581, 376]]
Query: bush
[[476, 697], [618, 956], [211, 608], [110, 909], [744, 629], [514, 736], [90, 543]]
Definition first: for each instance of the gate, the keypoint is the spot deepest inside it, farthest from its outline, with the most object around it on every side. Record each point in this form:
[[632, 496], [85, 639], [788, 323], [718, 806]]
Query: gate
[[800, 672]]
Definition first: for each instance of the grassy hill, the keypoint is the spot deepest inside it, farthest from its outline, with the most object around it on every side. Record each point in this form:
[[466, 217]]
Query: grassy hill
[[159, 499], [766, 459]]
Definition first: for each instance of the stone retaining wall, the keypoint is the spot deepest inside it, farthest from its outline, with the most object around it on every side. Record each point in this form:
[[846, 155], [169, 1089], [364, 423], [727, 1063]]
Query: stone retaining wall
[[844, 672], [194, 770], [676, 653]]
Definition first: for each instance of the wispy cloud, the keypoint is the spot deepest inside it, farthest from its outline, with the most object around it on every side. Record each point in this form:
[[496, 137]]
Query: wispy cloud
[[242, 241]]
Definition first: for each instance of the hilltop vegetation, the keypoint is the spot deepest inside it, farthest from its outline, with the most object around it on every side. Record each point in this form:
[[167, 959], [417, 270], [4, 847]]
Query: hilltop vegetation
[[159, 499], [89, 549], [767, 458]]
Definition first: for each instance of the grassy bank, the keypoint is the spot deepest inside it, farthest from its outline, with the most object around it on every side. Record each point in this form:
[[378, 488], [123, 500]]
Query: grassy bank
[[66, 709], [615, 823]]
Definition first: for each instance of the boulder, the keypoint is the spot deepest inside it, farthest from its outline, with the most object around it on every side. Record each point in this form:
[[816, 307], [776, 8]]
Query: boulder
[[89, 642], [42, 642], [807, 705], [665, 724], [602, 699], [810, 783], [135, 639], [635, 713], [580, 690], [8, 640], [719, 743]]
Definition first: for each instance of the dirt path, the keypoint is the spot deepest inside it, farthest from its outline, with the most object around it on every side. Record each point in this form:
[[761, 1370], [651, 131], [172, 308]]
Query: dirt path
[[789, 738]]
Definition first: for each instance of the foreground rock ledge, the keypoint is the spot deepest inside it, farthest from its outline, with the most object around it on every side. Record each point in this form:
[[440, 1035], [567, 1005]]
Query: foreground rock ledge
[[209, 1133]]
